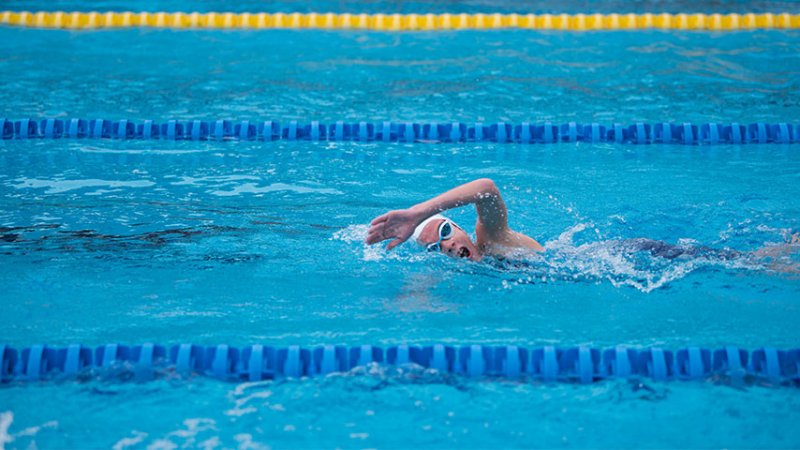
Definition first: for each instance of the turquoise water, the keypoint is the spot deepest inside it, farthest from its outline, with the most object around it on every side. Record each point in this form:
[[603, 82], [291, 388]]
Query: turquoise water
[[251, 242], [515, 76]]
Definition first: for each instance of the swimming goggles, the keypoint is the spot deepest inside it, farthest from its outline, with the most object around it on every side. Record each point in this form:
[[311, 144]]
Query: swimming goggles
[[445, 232]]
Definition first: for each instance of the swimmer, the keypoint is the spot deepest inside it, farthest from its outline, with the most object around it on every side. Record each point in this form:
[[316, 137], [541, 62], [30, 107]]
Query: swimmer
[[436, 233]]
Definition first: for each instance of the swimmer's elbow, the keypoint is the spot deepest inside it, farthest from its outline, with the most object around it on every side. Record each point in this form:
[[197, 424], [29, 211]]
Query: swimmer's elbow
[[487, 186]]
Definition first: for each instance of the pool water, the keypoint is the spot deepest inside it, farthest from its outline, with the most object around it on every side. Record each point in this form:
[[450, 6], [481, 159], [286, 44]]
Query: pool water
[[250, 242]]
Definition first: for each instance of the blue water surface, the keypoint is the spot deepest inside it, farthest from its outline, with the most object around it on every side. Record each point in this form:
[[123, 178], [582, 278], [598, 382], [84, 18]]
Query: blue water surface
[[488, 76], [253, 242]]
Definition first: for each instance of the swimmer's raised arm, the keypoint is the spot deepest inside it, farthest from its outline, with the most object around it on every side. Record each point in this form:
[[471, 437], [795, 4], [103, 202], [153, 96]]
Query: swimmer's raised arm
[[483, 193]]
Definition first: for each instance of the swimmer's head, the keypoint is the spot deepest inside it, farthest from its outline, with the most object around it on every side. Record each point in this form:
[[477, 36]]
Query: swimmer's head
[[438, 233]]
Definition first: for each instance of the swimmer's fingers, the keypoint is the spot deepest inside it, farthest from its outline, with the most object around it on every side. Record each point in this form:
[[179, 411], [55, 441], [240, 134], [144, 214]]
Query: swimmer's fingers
[[392, 225], [379, 219], [394, 243], [375, 237], [378, 233]]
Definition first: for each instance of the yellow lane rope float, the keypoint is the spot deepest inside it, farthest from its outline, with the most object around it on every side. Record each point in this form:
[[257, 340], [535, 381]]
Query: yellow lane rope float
[[401, 22]]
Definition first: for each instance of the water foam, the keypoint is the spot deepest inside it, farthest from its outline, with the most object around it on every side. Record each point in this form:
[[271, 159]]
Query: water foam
[[356, 234]]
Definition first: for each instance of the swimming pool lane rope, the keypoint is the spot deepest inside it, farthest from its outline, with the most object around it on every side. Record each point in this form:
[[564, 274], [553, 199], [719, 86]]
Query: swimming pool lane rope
[[259, 362], [400, 22], [406, 132]]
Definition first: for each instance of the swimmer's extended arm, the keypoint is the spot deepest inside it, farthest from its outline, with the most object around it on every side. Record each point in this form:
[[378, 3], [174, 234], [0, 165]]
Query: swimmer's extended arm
[[399, 225], [492, 213]]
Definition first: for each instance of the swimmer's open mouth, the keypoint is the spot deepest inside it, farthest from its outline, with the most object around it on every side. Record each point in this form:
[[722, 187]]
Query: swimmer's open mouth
[[463, 252]]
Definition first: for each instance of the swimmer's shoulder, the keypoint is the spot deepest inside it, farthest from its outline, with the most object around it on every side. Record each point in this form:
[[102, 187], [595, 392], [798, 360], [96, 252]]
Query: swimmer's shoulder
[[513, 259], [511, 252], [510, 243]]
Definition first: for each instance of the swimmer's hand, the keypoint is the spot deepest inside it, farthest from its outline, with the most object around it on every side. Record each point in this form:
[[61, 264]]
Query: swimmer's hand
[[397, 225]]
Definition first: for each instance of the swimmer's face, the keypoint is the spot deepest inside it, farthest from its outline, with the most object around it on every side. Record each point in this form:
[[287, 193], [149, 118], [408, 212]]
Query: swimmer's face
[[457, 246]]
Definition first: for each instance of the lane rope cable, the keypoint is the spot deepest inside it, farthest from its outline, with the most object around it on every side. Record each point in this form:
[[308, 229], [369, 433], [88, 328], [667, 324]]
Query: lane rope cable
[[406, 132], [258, 362], [400, 22]]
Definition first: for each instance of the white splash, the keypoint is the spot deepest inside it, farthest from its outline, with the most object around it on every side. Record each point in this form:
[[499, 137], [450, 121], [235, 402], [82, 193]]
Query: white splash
[[356, 234], [604, 260], [563, 260]]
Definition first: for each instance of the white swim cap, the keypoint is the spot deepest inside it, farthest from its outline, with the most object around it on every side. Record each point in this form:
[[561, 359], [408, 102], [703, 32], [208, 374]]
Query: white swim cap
[[420, 227]]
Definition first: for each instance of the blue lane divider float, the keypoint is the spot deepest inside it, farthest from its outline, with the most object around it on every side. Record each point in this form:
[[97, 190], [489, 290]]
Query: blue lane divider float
[[525, 133], [260, 362]]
